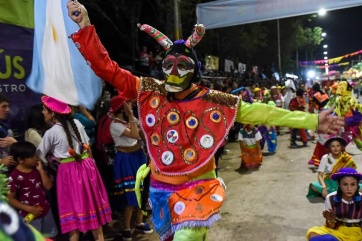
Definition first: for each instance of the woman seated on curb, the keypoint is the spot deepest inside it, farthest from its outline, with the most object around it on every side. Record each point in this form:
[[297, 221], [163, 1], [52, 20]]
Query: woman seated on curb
[[330, 163], [342, 210]]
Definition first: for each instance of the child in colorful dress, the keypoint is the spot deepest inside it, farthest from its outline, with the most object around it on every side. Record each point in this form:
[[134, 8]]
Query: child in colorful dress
[[86, 206], [27, 183], [12, 227], [342, 210], [249, 138], [330, 163]]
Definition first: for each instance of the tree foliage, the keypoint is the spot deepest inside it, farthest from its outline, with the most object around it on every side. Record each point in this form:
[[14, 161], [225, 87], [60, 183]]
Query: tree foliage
[[253, 44]]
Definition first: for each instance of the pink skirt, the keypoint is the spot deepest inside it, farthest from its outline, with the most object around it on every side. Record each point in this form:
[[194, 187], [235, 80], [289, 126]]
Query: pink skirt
[[82, 199]]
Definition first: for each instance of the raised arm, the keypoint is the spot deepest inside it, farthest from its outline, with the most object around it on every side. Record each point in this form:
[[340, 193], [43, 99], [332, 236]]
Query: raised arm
[[258, 113], [89, 45]]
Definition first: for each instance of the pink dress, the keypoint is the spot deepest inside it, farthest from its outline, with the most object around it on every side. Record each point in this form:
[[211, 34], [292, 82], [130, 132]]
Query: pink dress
[[82, 199]]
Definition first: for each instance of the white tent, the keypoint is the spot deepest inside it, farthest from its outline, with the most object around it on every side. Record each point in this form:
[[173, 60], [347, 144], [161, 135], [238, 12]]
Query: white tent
[[224, 13]]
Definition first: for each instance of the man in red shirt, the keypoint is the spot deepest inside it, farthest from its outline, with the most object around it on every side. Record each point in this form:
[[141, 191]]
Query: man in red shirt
[[298, 103]]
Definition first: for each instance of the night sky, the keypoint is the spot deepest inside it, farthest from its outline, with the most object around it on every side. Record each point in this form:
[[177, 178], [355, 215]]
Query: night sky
[[344, 32]]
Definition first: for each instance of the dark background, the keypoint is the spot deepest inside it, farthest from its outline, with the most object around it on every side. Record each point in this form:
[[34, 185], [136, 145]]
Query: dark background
[[342, 27]]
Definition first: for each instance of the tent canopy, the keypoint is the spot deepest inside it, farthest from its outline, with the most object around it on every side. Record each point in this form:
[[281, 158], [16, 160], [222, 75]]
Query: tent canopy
[[224, 13]]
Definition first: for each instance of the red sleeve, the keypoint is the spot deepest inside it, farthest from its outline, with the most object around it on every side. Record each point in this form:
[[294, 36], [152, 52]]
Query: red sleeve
[[293, 105], [89, 45]]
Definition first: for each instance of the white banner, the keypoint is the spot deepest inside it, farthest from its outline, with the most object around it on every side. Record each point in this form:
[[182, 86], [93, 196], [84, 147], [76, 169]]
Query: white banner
[[229, 65], [225, 13], [241, 67]]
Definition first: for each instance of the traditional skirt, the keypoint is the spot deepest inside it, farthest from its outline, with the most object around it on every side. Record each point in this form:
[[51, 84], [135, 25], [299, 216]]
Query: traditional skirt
[[250, 157], [319, 152], [125, 169], [82, 199], [192, 206], [331, 187], [342, 233]]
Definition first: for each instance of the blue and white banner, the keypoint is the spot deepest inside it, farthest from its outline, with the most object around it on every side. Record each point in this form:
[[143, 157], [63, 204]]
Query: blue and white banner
[[224, 13], [59, 70]]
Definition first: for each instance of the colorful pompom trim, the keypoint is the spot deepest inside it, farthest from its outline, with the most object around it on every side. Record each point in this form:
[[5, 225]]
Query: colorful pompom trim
[[71, 152], [83, 148]]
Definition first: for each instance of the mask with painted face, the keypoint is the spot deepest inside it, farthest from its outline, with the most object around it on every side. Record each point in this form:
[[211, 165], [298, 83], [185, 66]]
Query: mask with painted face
[[180, 65]]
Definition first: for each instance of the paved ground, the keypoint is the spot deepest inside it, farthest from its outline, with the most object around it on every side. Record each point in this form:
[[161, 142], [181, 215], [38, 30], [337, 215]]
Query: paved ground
[[267, 204]]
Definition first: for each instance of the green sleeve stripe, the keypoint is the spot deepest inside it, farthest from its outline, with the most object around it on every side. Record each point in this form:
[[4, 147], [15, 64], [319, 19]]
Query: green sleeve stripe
[[259, 113]]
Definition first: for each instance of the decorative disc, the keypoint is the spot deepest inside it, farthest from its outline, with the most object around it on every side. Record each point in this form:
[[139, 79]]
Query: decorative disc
[[167, 158], [189, 155], [155, 102], [215, 116], [150, 120], [155, 139], [207, 141], [172, 136], [192, 122], [173, 117]]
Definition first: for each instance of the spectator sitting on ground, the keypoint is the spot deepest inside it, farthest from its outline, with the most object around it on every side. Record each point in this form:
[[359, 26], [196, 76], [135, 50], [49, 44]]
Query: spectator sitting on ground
[[342, 210], [331, 163]]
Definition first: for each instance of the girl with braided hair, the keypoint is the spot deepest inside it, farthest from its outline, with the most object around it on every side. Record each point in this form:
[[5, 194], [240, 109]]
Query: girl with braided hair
[[86, 206], [129, 158]]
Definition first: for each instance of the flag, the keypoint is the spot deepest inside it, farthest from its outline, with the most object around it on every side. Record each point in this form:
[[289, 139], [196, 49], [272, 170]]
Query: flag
[[58, 69]]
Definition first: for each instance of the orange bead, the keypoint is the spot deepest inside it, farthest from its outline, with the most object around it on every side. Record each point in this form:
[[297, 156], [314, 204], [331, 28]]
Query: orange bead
[[71, 152]]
